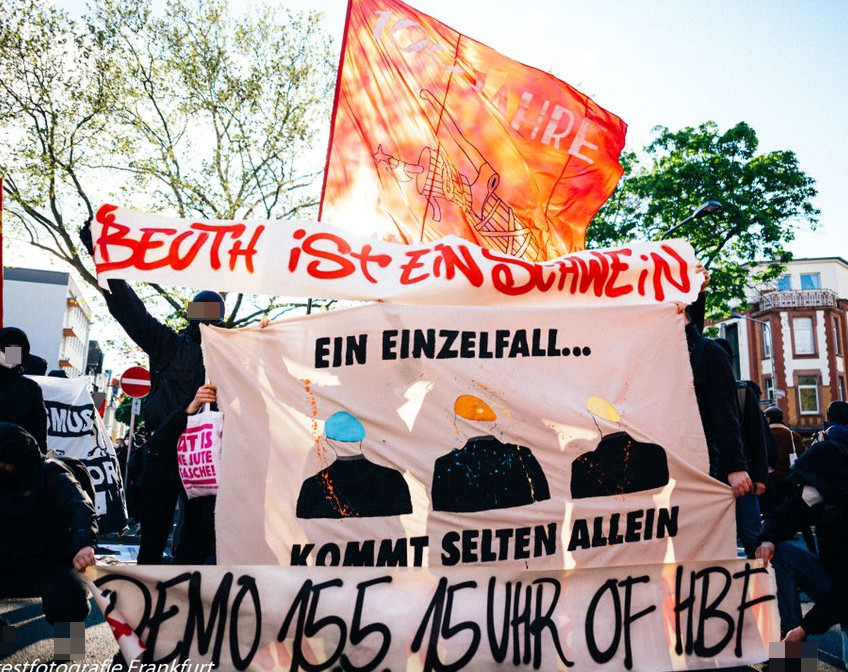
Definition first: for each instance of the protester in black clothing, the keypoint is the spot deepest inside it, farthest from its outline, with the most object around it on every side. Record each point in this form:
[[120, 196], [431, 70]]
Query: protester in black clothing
[[48, 528], [768, 499], [715, 392], [820, 498], [836, 423], [35, 365], [754, 432], [160, 487], [134, 468], [176, 360], [176, 369], [121, 456], [21, 401], [753, 428]]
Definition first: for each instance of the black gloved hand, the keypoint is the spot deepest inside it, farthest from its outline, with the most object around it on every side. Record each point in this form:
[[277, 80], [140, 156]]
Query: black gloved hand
[[85, 237]]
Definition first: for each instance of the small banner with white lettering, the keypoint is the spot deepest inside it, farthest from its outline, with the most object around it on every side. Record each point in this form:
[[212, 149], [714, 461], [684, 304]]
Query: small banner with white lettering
[[75, 429]]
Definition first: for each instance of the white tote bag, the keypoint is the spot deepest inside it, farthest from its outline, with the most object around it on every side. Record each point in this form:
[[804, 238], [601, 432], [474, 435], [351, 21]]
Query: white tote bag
[[199, 453]]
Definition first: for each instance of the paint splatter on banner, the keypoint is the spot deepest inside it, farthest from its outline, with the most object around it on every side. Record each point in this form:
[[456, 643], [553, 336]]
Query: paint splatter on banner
[[421, 436]]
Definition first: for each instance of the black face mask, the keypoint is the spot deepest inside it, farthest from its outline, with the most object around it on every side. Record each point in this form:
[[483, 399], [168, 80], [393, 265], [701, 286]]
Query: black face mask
[[193, 329]]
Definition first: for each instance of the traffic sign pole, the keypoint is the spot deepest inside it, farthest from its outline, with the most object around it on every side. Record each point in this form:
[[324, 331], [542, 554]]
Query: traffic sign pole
[[135, 383], [130, 446]]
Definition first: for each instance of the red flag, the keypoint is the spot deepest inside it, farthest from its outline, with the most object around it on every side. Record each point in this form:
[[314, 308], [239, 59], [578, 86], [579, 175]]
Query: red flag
[[436, 134]]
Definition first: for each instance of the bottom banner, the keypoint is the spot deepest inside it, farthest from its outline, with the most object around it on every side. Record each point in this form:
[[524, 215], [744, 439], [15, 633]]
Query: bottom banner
[[654, 617]]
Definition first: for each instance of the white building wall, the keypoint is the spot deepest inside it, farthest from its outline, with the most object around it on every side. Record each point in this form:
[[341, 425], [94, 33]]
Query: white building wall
[[744, 363], [833, 274], [38, 309], [74, 349], [821, 347], [788, 359], [804, 363], [37, 301]]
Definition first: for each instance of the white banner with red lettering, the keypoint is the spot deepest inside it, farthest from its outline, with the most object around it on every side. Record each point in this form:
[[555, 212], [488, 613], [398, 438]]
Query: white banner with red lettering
[[428, 436], [307, 258], [651, 617]]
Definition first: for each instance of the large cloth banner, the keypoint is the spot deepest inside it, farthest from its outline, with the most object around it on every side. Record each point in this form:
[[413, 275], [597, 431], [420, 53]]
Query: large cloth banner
[[533, 438], [75, 429], [652, 617], [305, 258], [435, 134]]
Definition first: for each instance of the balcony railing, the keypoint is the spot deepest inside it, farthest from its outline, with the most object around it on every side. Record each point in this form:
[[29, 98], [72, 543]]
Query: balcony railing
[[805, 298]]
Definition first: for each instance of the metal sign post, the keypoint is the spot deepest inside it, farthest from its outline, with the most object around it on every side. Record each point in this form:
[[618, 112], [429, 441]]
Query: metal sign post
[[135, 383]]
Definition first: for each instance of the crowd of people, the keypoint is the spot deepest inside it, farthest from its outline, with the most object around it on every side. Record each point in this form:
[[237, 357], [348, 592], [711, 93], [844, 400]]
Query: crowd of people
[[781, 489], [48, 523]]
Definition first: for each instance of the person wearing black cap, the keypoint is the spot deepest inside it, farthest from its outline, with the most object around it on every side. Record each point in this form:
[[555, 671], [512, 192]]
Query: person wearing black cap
[[48, 528], [21, 401], [176, 367]]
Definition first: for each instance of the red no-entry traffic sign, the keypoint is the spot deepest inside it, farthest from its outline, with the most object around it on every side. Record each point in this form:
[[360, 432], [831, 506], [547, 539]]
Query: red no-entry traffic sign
[[135, 382]]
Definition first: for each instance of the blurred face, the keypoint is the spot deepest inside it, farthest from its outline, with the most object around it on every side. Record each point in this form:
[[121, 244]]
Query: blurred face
[[206, 311], [7, 467], [11, 355]]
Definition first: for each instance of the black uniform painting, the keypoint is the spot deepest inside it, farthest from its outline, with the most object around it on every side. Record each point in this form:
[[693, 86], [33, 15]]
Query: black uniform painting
[[619, 465], [486, 473], [352, 486]]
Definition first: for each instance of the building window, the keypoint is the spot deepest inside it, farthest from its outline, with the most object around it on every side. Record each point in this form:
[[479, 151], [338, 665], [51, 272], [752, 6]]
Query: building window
[[810, 281], [841, 383], [802, 336], [766, 331], [784, 283], [769, 391], [808, 395], [837, 335]]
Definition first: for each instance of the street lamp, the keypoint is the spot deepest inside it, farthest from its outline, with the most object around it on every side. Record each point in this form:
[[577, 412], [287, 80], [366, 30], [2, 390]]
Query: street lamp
[[703, 209], [767, 325]]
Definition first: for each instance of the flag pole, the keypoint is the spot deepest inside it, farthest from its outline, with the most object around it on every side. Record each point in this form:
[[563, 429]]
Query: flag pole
[[335, 106]]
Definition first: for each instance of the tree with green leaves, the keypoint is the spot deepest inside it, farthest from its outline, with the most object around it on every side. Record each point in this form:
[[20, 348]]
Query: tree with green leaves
[[764, 197], [195, 112], [123, 412]]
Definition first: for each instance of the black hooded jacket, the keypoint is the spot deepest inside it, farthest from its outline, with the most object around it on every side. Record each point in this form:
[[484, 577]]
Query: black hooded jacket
[[176, 361], [823, 466], [715, 392], [45, 516], [21, 401]]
